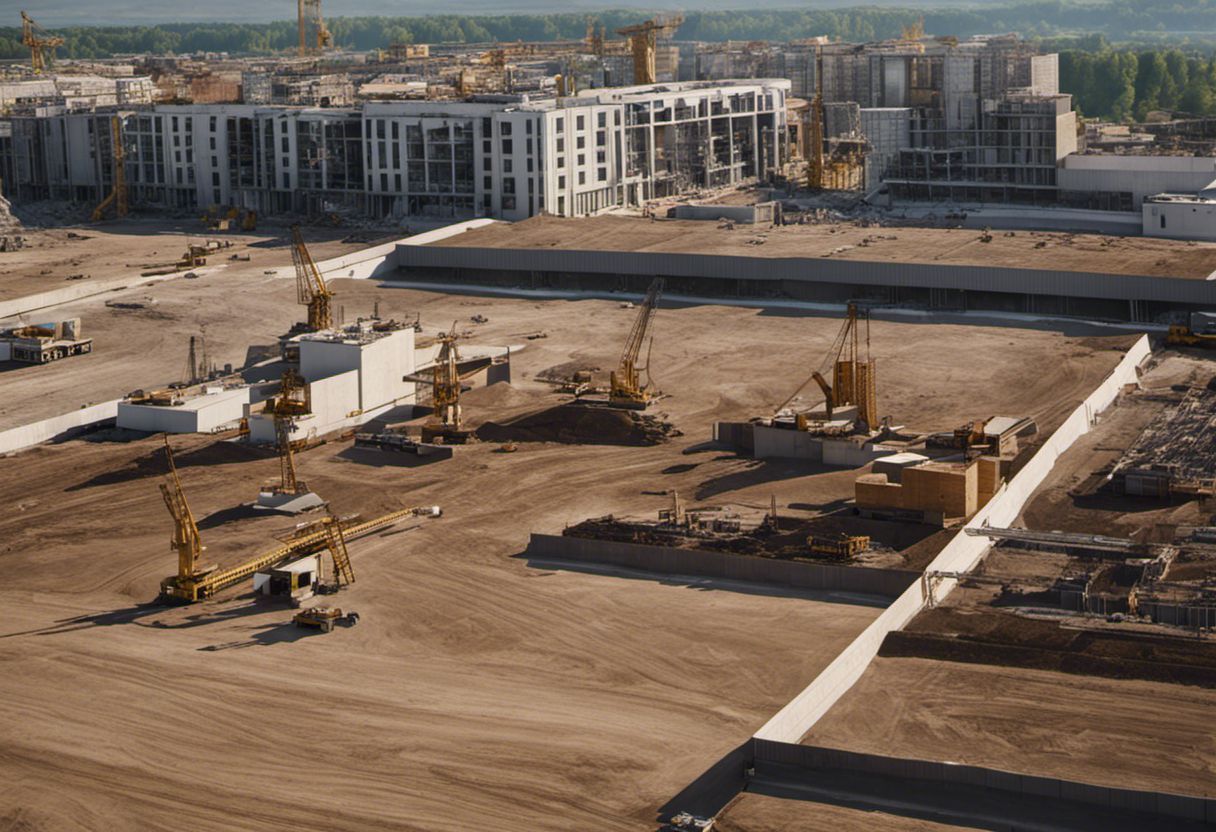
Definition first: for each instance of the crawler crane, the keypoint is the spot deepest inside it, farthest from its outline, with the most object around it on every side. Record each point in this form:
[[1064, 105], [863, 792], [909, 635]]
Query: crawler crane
[[186, 539], [853, 375], [626, 389]]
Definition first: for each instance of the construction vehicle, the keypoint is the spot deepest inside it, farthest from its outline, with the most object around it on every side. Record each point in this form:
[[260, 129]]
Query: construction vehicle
[[642, 39], [217, 219], [853, 376], [314, 37], [1198, 331], [118, 190], [42, 48], [844, 546], [311, 290], [325, 618], [625, 387], [194, 257]]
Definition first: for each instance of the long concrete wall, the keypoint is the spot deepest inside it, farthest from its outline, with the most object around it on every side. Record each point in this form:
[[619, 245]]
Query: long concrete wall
[[700, 562], [769, 755], [77, 291], [382, 260], [15, 439], [960, 555]]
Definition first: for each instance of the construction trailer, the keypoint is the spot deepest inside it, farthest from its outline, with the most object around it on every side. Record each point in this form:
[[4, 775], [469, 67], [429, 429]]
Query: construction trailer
[[44, 343]]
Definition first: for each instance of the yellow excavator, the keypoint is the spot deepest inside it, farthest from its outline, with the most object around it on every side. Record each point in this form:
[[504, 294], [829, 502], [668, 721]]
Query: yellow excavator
[[625, 387], [853, 375], [311, 290]]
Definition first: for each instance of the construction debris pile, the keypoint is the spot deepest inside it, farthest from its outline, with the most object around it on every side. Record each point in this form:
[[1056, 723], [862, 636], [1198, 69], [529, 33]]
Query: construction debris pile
[[10, 228], [1176, 453]]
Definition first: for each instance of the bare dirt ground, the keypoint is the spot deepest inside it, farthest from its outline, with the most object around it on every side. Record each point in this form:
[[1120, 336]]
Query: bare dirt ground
[[1132, 734], [853, 241], [478, 689], [234, 305]]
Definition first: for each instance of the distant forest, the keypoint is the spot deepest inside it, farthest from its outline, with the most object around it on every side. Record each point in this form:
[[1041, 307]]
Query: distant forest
[[1120, 59]]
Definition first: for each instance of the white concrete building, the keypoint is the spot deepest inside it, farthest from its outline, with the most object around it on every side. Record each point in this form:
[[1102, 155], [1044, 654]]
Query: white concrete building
[[1181, 216], [353, 374], [503, 156], [217, 408]]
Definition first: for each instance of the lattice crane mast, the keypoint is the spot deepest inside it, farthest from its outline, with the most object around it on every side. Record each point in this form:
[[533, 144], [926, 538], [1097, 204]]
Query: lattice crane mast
[[314, 36], [642, 38], [626, 389], [186, 540], [445, 390], [118, 191], [311, 290], [42, 49]]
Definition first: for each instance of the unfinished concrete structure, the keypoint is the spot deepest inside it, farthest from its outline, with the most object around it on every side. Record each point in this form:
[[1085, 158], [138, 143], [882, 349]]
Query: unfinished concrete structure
[[505, 156], [1176, 453], [44, 343]]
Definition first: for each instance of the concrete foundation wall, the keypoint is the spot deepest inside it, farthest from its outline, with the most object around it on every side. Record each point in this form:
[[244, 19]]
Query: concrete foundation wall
[[960, 555], [671, 561], [745, 214], [15, 439], [785, 760]]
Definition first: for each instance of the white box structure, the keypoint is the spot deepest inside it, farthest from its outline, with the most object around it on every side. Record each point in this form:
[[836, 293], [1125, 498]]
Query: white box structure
[[354, 374], [216, 409]]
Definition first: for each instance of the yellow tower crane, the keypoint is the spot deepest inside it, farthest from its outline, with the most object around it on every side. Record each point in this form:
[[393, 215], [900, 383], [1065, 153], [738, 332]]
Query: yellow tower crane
[[311, 290], [42, 49], [314, 36], [118, 190], [626, 389], [186, 539], [642, 38]]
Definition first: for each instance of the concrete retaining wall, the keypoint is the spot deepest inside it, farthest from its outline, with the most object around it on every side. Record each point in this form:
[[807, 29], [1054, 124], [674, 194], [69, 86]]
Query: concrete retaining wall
[[960, 555], [77, 291], [768, 754], [671, 561], [15, 439], [381, 261]]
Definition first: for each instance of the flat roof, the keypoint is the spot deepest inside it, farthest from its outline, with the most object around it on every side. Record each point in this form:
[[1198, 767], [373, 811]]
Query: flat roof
[[1050, 251]]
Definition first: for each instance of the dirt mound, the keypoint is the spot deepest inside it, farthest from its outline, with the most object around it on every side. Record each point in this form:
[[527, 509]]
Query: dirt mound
[[498, 395], [576, 424], [9, 224]]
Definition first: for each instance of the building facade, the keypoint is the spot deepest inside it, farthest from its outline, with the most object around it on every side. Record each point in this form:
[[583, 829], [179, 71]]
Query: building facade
[[501, 156]]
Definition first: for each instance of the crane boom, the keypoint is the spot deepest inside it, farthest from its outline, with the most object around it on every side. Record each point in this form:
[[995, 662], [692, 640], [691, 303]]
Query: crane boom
[[42, 49], [118, 191], [187, 541], [445, 392], [852, 373], [311, 290], [626, 387]]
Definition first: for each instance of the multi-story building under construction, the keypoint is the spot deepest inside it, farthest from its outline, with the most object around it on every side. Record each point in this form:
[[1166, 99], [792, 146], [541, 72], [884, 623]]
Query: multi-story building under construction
[[504, 156]]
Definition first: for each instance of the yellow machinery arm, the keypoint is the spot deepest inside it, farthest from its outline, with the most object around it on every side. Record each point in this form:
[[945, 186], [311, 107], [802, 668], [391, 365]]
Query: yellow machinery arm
[[445, 393], [186, 539], [314, 539], [626, 387], [311, 290], [42, 49], [852, 374], [118, 192]]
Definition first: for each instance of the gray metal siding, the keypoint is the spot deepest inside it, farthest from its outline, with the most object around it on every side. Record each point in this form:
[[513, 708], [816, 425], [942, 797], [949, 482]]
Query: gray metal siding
[[818, 269]]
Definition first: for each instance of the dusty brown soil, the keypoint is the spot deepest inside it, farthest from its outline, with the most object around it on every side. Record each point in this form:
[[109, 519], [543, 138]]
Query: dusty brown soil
[[959, 246], [478, 690], [1133, 734], [762, 813]]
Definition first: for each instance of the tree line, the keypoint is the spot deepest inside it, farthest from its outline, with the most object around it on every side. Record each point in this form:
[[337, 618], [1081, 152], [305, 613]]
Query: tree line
[[1187, 22], [1124, 81]]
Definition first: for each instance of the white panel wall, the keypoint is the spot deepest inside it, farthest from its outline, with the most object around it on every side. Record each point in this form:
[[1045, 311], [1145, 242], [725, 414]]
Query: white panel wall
[[960, 555]]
